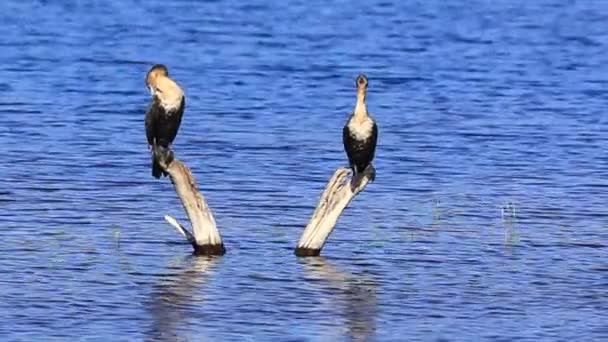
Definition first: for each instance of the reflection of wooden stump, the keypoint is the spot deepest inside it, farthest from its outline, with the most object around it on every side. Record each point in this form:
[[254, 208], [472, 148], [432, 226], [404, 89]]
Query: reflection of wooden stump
[[205, 237], [173, 297], [353, 295], [339, 192]]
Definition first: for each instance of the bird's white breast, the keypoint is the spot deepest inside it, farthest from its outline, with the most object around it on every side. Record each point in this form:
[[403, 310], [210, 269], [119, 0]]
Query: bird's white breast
[[169, 94], [361, 129], [171, 105]]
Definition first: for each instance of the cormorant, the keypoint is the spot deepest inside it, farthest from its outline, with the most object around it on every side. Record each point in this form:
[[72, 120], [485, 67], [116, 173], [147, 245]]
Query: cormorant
[[360, 133], [164, 115]]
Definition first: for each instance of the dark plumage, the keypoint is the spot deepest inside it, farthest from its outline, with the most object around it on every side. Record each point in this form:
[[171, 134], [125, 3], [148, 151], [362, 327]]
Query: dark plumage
[[164, 115], [360, 152], [360, 134]]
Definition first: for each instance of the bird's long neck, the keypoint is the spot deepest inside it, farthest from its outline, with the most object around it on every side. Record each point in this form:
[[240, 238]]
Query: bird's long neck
[[360, 107]]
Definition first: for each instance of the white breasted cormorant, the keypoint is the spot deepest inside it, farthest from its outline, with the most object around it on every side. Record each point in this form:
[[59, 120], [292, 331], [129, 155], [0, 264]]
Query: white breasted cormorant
[[164, 115], [360, 133]]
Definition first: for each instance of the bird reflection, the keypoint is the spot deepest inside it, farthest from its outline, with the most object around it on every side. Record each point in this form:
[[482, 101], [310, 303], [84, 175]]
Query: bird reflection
[[173, 298], [354, 295]]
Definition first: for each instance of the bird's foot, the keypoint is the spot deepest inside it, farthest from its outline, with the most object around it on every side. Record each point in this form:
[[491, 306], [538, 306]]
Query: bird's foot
[[163, 155]]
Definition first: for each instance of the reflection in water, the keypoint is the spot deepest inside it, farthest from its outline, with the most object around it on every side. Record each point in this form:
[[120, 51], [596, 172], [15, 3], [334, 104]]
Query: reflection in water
[[508, 216], [175, 295], [354, 295], [480, 107]]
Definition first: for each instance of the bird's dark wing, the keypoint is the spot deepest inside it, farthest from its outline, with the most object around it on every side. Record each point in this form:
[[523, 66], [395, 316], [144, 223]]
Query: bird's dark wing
[[152, 116], [347, 140], [174, 120], [162, 126], [374, 140]]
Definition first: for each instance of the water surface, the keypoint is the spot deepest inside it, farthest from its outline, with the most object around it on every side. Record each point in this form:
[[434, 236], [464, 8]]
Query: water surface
[[487, 220]]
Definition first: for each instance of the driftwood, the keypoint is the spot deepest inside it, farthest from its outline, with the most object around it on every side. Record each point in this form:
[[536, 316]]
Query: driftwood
[[205, 237], [340, 191]]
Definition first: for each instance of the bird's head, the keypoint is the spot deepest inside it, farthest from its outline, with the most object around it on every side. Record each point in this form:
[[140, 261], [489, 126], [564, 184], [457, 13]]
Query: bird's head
[[164, 88], [157, 72], [361, 82]]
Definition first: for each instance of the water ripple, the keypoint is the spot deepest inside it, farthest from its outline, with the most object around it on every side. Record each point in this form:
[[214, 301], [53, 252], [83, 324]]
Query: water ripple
[[487, 219]]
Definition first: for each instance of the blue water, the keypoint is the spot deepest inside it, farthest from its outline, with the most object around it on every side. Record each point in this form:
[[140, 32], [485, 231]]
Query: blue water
[[488, 219]]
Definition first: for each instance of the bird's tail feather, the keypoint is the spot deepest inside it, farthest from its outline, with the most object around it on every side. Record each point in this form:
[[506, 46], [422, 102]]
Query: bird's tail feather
[[157, 171], [164, 155]]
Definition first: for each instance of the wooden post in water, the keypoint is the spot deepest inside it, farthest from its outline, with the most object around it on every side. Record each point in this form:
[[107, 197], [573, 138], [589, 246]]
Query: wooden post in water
[[205, 237], [339, 192]]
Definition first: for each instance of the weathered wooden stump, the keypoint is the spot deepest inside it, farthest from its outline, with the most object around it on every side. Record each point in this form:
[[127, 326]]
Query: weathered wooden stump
[[340, 191], [205, 237]]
